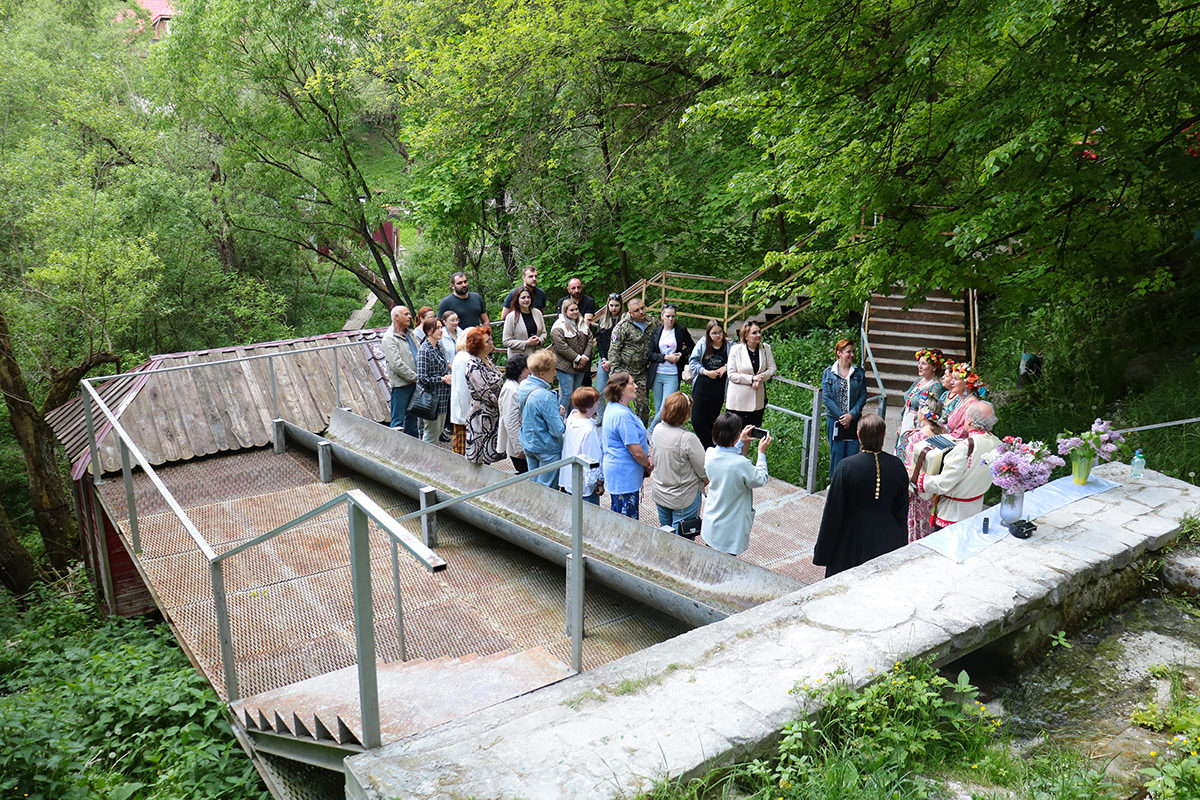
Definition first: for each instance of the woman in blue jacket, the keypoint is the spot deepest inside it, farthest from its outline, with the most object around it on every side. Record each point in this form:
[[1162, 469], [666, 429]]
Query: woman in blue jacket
[[844, 393], [542, 425]]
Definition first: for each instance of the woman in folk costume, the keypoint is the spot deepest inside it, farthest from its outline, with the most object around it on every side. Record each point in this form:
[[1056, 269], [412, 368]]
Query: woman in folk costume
[[920, 508], [969, 388], [927, 384]]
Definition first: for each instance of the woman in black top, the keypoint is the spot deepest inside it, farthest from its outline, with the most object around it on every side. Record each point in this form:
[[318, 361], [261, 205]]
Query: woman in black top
[[709, 364], [602, 327]]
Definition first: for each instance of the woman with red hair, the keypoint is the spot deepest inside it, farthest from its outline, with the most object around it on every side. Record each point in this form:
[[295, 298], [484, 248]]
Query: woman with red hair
[[484, 380]]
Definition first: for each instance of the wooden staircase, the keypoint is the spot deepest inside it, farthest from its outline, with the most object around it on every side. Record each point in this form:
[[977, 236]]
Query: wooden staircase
[[895, 334], [414, 696]]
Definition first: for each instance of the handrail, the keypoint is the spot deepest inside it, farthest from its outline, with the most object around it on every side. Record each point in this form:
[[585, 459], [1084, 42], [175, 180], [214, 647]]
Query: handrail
[[1170, 424], [811, 442], [866, 346]]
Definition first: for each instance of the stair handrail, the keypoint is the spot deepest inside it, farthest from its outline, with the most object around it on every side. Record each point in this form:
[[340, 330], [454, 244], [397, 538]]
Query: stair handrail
[[972, 300], [866, 348], [810, 443]]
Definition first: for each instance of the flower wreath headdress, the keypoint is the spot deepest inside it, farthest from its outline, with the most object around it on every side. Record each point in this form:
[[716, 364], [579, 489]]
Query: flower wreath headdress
[[935, 357], [974, 382]]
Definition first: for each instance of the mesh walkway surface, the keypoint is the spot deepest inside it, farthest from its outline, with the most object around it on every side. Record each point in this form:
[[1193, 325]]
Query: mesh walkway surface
[[290, 600]]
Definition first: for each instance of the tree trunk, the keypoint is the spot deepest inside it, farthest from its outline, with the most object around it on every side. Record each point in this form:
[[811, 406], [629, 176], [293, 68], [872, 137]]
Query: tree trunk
[[51, 508], [18, 572]]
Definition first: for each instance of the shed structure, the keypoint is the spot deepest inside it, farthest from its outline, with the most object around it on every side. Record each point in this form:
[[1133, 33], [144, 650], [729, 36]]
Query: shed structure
[[176, 415]]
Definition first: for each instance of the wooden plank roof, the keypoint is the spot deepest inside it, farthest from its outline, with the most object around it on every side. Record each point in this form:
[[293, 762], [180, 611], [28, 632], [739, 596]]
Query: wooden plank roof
[[219, 406]]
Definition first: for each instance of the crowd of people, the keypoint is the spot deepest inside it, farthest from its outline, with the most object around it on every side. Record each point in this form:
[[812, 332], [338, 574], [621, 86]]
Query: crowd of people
[[542, 407], [446, 388]]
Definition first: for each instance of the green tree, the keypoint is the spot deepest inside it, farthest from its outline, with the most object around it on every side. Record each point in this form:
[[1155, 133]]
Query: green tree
[[1038, 149], [279, 89]]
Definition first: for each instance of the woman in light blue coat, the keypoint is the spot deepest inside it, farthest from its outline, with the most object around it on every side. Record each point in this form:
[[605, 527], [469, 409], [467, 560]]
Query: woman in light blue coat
[[729, 512]]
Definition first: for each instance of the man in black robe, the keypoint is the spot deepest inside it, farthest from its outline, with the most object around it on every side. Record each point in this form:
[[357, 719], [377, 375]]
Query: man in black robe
[[866, 510]]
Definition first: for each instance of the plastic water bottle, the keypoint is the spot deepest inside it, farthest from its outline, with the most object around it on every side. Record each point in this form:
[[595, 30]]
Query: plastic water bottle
[[1138, 464]]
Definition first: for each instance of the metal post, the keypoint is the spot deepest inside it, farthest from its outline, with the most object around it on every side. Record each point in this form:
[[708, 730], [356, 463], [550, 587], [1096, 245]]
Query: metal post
[[91, 431], [399, 601], [98, 517], [224, 634], [130, 503], [337, 381], [815, 448], [274, 397], [279, 433], [364, 626], [575, 570], [325, 461], [427, 495]]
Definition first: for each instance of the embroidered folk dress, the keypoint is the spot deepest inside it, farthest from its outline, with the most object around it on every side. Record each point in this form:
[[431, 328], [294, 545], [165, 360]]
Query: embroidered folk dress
[[919, 508], [912, 406]]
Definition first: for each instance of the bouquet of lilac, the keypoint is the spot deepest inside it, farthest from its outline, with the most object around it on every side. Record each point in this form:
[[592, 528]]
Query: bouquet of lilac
[[1100, 442], [1018, 466]]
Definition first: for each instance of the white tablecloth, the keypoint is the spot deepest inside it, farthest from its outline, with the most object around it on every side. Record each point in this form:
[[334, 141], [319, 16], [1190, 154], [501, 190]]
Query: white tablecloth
[[964, 539]]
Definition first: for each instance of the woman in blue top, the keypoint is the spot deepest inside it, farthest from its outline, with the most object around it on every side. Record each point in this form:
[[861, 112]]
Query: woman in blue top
[[625, 445], [542, 425], [844, 393]]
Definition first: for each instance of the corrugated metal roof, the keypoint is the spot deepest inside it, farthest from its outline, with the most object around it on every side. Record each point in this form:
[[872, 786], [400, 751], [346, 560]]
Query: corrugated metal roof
[[176, 415]]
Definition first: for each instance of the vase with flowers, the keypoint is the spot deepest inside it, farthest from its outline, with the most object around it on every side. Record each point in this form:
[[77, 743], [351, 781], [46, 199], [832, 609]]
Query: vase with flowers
[[1018, 466], [1100, 442]]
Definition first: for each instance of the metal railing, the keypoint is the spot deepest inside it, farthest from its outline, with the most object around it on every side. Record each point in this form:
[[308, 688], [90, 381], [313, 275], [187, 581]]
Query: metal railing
[[729, 299], [865, 345], [811, 442], [360, 509]]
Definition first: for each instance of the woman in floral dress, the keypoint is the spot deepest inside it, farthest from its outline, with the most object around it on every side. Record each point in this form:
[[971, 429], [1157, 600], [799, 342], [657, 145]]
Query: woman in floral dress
[[919, 509], [484, 380], [968, 387], [928, 383]]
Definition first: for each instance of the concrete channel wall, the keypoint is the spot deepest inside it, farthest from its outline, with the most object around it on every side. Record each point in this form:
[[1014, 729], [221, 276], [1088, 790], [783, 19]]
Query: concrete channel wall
[[721, 692]]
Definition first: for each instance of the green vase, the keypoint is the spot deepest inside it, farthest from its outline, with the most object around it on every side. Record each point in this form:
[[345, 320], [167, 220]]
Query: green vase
[[1081, 468]]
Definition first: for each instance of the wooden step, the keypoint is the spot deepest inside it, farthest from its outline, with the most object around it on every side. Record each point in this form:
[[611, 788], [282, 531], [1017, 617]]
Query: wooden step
[[413, 695]]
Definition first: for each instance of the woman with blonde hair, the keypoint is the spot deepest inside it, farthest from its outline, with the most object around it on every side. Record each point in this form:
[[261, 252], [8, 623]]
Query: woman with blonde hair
[[571, 340], [751, 365], [844, 393], [602, 328]]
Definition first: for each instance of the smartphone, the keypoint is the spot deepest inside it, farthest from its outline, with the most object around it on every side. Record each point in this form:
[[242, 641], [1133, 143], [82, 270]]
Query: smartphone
[[759, 433]]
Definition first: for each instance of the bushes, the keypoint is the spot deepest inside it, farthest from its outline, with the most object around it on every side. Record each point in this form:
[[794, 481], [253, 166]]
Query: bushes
[[107, 709]]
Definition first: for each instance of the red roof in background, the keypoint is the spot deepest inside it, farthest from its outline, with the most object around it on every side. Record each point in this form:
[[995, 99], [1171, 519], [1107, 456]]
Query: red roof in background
[[157, 8]]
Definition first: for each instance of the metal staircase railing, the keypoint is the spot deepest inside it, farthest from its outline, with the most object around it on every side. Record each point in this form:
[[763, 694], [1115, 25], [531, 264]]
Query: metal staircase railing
[[361, 509]]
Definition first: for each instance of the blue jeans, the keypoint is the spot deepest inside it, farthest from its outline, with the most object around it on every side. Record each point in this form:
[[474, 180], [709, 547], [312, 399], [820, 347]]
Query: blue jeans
[[664, 387], [601, 382], [568, 382], [838, 450], [540, 459], [401, 397], [669, 516]]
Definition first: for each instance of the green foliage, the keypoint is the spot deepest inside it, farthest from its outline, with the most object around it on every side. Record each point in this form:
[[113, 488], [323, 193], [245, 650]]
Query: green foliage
[[107, 709], [897, 739], [1176, 771]]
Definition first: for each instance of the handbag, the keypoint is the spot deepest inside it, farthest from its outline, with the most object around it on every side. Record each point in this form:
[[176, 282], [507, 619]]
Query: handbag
[[688, 375], [688, 528], [423, 404]]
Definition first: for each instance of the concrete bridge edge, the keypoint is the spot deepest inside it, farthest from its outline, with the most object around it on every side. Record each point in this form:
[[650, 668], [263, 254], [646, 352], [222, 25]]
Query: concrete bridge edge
[[722, 692]]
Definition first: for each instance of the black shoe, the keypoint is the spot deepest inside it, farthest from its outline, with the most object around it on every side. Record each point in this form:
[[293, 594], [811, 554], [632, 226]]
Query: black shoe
[[445, 438]]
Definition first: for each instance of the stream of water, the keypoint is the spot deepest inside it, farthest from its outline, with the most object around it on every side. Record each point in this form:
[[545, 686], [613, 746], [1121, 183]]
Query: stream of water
[[1088, 686]]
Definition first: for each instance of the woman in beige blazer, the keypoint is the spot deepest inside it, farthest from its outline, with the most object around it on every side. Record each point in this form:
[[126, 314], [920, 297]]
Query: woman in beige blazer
[[751, 365], [524, 327]]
